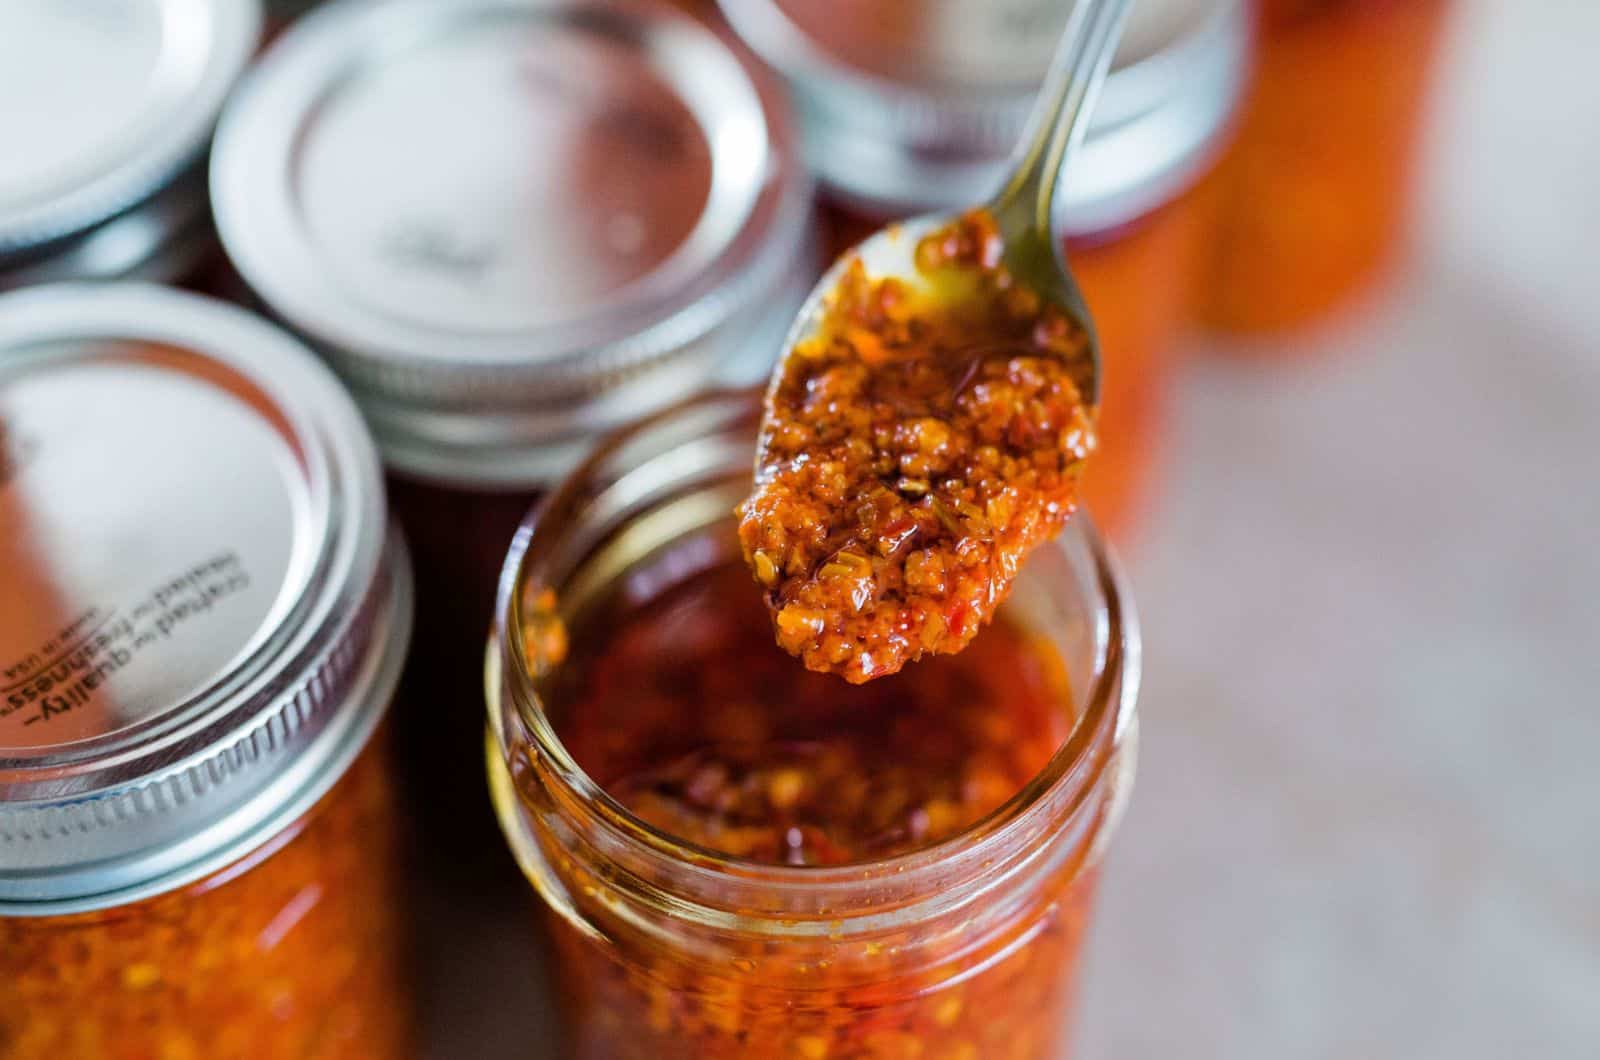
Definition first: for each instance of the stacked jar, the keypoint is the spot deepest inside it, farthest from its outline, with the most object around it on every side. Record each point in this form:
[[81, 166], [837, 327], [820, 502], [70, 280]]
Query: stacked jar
[[109, 119], [622, 220], [914, 106], [205, 619]]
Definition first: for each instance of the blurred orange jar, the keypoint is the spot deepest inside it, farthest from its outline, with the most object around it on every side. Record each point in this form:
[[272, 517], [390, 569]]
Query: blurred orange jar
[[745, 859], [205, 616], [915, 105], [1315, 195]]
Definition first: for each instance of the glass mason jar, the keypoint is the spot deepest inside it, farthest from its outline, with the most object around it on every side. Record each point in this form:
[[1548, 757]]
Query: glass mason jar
[[915, 105], [111, 108], [620, 223], [667, 949], [1315, 195], [204, 622]]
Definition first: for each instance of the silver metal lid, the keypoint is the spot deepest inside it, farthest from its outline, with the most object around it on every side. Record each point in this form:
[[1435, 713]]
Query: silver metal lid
[[494, 217], [107, 102], [202, 619], [915, 105]]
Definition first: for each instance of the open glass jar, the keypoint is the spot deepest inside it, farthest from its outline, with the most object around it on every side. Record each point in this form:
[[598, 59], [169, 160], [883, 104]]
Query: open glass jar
[[109, 114], [673, 947], [915, 105], [1314, 196], [204, 620]]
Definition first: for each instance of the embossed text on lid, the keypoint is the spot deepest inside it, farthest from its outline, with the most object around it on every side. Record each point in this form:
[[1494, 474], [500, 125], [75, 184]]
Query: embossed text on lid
[[204, 614], [155, 526]]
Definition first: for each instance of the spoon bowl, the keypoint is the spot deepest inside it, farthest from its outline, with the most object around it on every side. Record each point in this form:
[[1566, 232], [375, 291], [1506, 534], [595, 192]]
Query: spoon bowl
[[891, 252], [1024, 206]]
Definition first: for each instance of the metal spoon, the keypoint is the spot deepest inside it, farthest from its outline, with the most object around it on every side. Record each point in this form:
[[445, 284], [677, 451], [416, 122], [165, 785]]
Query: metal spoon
[[827, 538], [1024, 204]]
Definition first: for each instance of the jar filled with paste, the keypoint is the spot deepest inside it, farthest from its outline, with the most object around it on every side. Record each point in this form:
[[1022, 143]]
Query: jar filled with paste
[[743, 858], [205, 618]]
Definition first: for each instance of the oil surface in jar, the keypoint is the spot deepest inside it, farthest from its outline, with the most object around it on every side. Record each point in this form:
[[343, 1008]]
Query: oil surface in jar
[[684, 710]]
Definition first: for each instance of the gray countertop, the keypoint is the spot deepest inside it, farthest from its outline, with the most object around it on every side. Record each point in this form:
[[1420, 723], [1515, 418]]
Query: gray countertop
[[1367, 821]]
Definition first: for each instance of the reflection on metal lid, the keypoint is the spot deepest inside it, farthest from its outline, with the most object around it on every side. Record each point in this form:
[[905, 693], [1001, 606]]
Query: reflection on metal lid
[[158, 528], [107, 101], [192, 559], [915, 104], [995, 46], [497, 203]]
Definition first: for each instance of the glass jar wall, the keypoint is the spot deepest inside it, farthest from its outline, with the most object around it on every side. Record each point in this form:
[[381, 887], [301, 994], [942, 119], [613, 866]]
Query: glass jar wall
[[746, 859], [1315, 196], [291, 951]]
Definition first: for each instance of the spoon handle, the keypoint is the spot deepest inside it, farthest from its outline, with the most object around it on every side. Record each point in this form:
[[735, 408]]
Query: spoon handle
[[1060, 117]]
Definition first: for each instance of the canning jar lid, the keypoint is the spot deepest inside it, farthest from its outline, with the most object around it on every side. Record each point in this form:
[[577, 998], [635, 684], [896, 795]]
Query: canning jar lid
[[110, 103], [912, 105], [508, 223], [204, 612]]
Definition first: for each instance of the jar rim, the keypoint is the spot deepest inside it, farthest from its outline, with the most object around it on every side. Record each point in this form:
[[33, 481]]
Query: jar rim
[[1106, 710]]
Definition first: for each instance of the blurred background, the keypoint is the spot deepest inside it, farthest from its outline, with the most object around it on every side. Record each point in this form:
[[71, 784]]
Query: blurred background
[[1365, 817], [1342, 256]]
